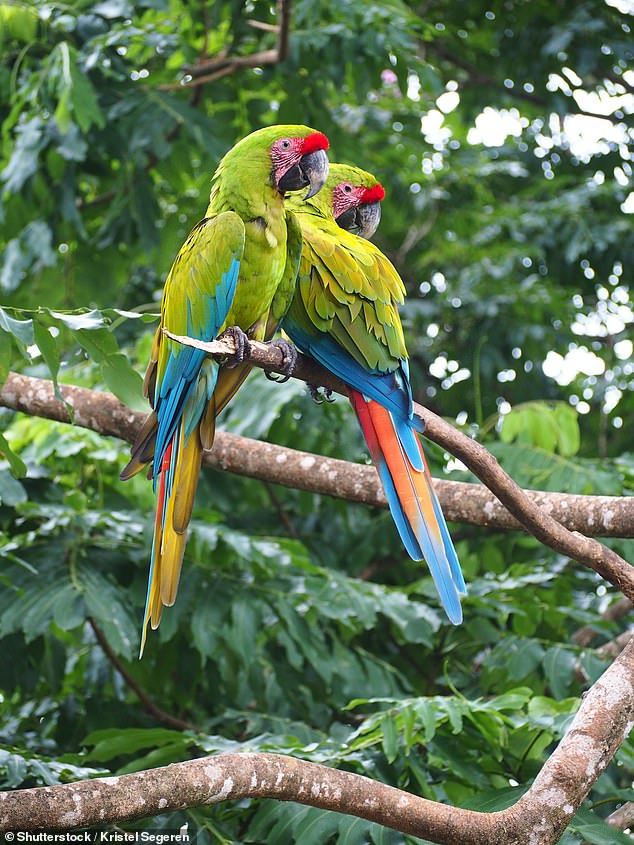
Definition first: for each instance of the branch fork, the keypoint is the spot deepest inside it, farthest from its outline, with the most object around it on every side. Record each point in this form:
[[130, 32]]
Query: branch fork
[[523, 506], [539, 817]]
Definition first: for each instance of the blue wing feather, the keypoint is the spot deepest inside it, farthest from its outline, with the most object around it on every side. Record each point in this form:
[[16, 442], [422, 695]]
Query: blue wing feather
[[178, 385]]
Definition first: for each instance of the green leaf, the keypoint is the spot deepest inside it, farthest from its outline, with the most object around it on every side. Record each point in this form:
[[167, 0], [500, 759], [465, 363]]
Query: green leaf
[[12, 493], [24, 157], [316, 827], [205, 624], [105, 605], [524, 656], [560, 666], [390, 738], [63, 116], [494, 800], [593, 829], [427, 716], [5, 356], [454, 710], [76, 321], [124, 381], [33, 613], [75, 91], [569, 432], [353, 831], [16, 464], [19, 22], [22, 330], [108, 744], [47, 346]]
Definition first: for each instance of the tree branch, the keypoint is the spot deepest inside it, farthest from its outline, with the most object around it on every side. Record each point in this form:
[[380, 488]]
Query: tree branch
[[208, 70], [148, 703], [614, 647], [591, 553], [540, 816], [588, 633], [474, 76], [462, 502], [623, 817]]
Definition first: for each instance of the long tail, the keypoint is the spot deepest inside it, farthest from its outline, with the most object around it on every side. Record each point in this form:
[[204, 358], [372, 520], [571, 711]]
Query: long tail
[[398, 456], [176, 486]]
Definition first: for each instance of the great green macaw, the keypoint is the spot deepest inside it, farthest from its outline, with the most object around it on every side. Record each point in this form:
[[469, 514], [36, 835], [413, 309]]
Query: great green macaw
[[344, 314], [237, 267]]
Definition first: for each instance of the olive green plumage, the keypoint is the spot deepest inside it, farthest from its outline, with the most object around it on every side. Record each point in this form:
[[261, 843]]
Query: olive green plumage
[[346, 287]]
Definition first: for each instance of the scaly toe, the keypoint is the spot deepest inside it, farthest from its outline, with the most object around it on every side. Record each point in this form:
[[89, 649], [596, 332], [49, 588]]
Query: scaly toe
[[289, 359], [241, 341]]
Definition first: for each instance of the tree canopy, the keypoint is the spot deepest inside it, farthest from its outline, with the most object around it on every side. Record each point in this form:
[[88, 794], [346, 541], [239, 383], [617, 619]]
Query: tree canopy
[[502, 134]]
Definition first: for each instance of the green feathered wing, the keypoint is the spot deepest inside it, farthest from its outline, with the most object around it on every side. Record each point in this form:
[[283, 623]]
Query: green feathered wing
[[180, 381]]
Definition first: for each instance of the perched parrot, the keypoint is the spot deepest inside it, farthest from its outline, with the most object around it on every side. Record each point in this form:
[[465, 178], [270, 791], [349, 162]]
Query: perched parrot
[[344, 314], [237, 267]]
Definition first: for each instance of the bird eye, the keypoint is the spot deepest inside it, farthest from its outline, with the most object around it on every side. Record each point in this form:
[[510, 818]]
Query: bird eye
[[285, 143], [347, 188]]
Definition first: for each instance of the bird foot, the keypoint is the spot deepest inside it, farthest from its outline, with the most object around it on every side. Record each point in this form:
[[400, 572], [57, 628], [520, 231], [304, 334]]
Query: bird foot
[[241, 341], [289, 359], [318, 397]]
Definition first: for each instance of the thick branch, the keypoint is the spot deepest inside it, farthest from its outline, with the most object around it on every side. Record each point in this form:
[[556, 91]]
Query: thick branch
[[591, 553], [540, 816], [462, 502]]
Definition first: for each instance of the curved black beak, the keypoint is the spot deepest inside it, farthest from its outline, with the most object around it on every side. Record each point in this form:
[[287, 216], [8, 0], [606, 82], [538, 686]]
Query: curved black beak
[[363, 220], [310, 171]]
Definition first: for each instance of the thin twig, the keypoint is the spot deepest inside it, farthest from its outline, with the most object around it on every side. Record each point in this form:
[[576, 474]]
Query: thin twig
[[208, 70], [281, 512], [149, 705]]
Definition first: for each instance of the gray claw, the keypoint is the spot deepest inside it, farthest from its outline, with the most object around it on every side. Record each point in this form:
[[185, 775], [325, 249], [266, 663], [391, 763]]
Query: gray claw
[[241, 341], [318, 397], [289, 359]]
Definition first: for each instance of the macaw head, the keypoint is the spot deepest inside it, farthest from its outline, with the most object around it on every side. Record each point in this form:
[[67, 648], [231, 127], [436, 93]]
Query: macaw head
[[355, 199], [286, 158], [298, 156]]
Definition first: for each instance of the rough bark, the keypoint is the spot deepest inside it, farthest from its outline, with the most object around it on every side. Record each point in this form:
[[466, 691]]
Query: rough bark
[[538, 818]]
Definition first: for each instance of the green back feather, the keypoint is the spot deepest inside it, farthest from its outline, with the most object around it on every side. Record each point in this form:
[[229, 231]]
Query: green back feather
[[346, 287]]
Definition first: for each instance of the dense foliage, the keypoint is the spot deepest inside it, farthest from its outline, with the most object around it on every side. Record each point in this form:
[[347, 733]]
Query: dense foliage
[[300, 625]]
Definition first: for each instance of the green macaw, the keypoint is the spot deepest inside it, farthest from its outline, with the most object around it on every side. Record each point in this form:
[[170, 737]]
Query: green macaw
[[236, 268], [344, 314]]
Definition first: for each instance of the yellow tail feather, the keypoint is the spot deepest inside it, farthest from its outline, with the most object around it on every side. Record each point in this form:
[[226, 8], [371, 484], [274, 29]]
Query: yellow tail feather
[[228, 382]]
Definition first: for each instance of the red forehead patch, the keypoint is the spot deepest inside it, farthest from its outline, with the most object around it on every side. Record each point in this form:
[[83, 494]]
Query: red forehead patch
[[373, 194], [315, 141]]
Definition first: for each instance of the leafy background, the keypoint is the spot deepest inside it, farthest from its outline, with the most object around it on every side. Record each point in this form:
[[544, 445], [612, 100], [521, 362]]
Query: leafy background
[[300, 625]]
